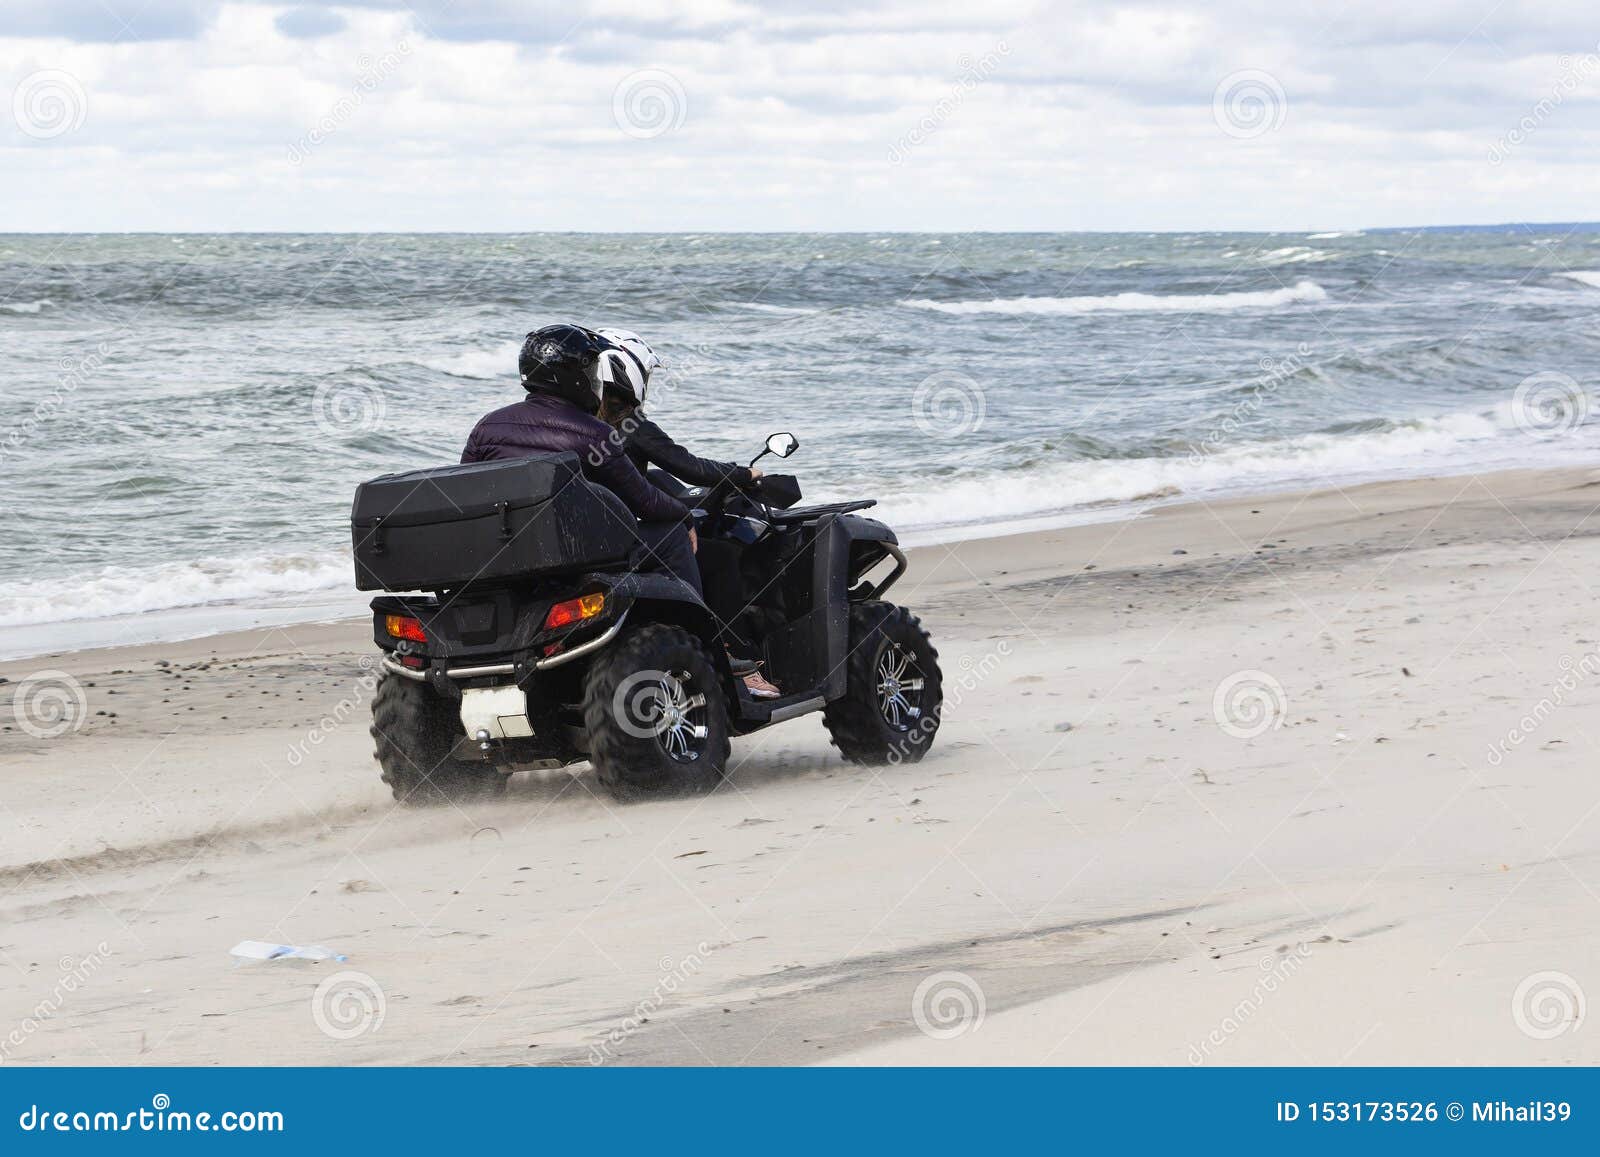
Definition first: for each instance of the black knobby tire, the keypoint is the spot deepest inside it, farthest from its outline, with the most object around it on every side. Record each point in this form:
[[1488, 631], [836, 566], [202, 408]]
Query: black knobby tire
[[863, 726], [628, 693], [416, 731]]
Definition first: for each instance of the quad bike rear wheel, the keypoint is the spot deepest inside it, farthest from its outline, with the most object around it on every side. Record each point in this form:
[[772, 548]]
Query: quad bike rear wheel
[[894, 696], [416, 731], [656, 716]]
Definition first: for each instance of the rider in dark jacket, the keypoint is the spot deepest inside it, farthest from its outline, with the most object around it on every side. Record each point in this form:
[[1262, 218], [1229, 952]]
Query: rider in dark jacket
[[647, 445], [630, 363], [560, 366], [544, 422]]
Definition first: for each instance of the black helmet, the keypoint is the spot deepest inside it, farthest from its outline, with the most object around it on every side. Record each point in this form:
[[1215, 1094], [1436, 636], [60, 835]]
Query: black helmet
[[564, 360]]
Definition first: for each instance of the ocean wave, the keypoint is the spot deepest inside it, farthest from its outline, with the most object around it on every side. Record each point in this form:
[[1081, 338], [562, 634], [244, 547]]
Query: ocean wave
[[1460, 442], [762, 307], [1302, 292], [120, 590], [26, 306], [1294, 254], [479, 364], [1589, 277]]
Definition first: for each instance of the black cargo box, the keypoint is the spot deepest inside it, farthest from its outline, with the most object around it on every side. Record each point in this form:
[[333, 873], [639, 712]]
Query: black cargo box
[[484, 522]]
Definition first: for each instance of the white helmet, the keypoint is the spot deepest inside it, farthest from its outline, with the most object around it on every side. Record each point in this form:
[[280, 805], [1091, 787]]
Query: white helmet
[[627, 367]]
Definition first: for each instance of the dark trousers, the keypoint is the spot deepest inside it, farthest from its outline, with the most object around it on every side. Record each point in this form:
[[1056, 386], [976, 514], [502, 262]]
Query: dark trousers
[[664, 546], [724, 587]]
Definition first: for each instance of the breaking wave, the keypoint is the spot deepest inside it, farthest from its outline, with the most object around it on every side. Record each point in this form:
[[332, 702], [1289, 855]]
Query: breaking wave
[[1301, 293]]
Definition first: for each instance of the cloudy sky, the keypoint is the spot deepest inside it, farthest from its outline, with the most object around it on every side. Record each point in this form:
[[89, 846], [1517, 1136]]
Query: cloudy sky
[[780, 114]]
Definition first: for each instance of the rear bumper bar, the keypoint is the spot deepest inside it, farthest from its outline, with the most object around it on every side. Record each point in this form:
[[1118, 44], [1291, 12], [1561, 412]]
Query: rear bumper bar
[[389, 664]]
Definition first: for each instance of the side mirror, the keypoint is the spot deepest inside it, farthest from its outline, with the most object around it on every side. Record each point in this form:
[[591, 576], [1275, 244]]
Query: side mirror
[[782, 444]]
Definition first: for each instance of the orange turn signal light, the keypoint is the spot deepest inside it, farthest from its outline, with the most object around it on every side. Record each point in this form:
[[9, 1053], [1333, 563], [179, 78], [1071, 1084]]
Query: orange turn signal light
[[575, 611], [404, 627]]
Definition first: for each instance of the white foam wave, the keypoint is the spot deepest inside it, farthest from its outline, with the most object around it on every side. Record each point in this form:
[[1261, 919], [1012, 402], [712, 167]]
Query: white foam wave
[[1451, 443], [119, 590], [482, 364], [762, 307], [1303, 292], [1589, 277], [1294, 254], [26, 306]]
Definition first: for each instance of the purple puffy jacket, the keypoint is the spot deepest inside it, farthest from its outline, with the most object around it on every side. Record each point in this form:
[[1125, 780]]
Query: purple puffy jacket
[[541, 422]]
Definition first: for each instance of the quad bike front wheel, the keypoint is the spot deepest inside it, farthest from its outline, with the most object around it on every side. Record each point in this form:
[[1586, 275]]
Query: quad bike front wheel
[[894, 697], [416, 731], [656, 716]]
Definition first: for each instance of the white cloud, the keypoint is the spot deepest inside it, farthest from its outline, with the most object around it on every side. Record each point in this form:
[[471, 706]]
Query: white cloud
[[486, 115]]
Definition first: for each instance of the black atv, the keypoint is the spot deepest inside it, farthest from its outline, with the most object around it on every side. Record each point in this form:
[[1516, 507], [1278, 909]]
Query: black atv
[[543, 640]]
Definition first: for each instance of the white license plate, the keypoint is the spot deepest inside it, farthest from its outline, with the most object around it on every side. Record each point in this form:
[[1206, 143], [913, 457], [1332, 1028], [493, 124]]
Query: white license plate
[[500, 711]]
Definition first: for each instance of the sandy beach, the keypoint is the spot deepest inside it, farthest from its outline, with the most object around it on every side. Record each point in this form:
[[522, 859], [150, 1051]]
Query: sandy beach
[[1300, 779]]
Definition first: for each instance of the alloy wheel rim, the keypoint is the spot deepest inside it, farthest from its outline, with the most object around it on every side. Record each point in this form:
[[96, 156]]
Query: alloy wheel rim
[[899, 688], [681, 727]]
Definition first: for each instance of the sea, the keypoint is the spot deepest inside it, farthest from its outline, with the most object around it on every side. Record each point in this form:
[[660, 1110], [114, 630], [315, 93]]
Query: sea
[[184, 418]]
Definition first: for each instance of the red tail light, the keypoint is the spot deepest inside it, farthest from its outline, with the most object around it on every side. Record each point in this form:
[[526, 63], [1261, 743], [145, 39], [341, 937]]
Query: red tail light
[[404, 627], [574, 611]]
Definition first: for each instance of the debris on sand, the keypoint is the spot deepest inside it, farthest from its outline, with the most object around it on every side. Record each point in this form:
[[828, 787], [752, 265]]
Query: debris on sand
[[261, 950]]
